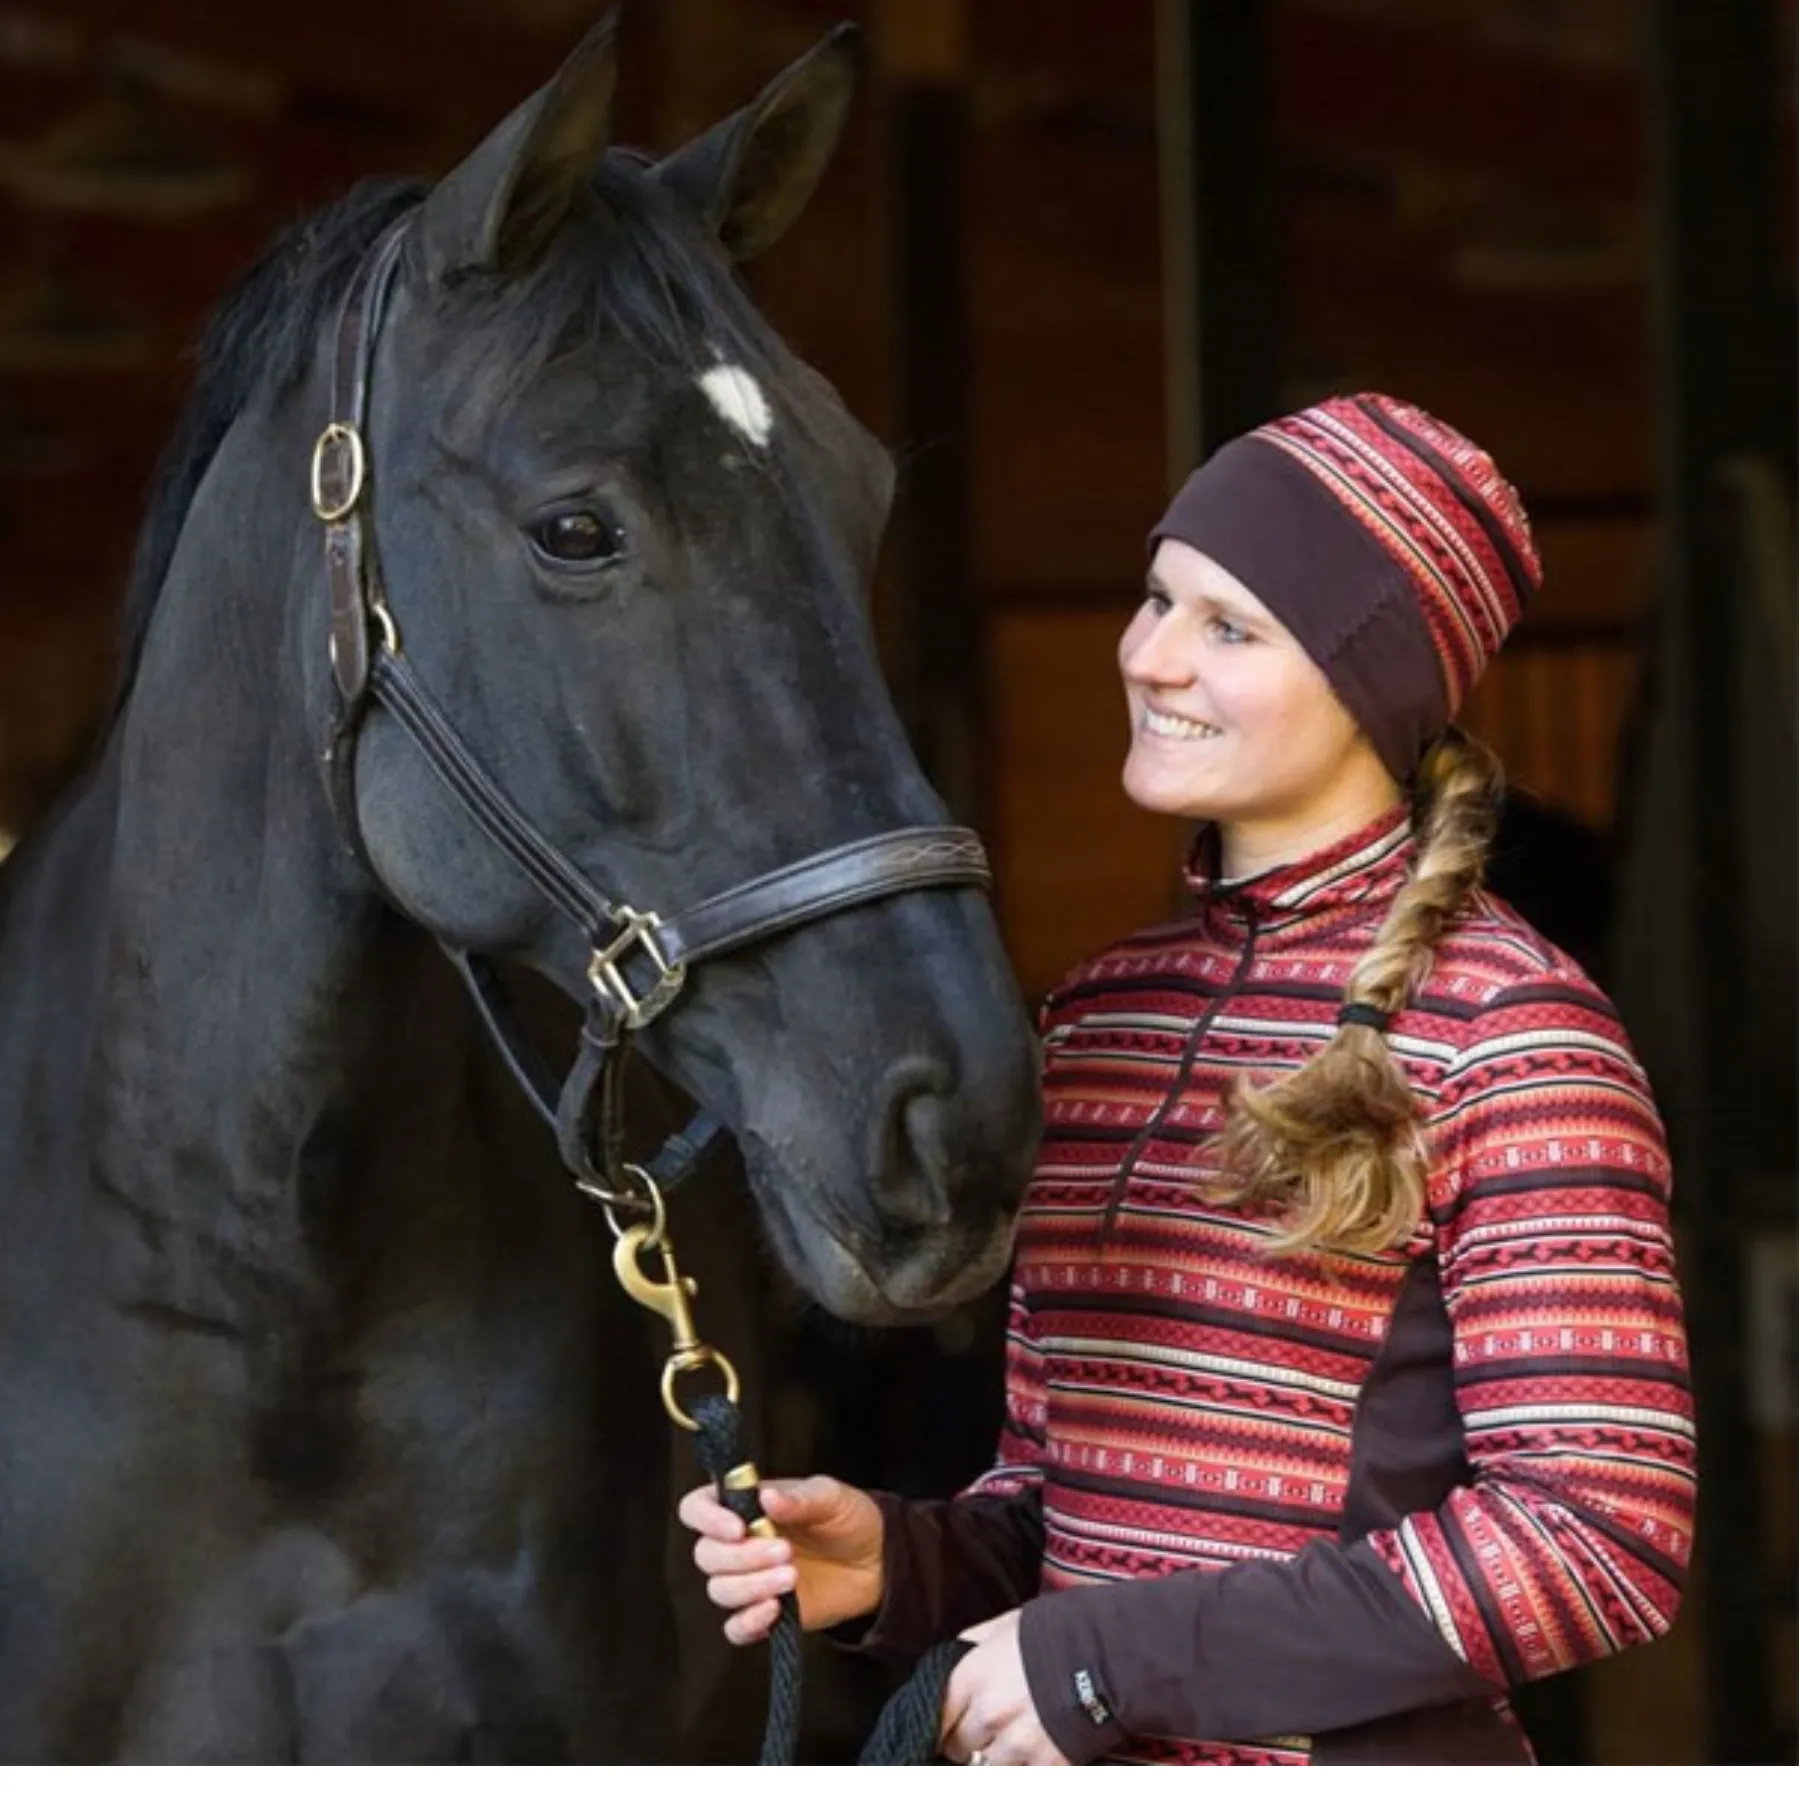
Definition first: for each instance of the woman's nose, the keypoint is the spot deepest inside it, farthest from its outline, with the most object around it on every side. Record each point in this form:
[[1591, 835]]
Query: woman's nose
[[1153, 653]]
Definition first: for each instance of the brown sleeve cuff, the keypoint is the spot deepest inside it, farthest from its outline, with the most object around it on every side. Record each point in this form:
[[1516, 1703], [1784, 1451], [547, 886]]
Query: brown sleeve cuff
[[1067, 1691], [1327, 1640], [947, 1565]]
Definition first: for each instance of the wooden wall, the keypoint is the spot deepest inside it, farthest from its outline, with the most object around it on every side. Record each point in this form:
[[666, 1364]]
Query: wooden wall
[[1409, 145]]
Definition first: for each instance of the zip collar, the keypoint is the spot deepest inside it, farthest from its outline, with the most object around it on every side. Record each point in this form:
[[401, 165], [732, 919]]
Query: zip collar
[[1367, 868]]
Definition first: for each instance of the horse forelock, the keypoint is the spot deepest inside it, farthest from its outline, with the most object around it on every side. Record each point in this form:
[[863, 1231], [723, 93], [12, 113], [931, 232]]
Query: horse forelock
[[631, 264]]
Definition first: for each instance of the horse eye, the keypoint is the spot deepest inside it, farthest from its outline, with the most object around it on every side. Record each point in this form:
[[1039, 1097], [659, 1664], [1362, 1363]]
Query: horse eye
[[577, 537]]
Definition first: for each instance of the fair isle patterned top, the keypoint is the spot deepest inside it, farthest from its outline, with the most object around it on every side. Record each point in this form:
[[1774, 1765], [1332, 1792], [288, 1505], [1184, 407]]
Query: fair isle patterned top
[[1317, 1506]]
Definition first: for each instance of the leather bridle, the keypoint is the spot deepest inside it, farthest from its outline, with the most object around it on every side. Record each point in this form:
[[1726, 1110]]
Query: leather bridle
[[638, 961]]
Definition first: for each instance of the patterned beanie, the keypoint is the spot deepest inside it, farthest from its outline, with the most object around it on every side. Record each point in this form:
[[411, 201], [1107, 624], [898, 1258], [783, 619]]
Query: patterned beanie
[[1388, 544]]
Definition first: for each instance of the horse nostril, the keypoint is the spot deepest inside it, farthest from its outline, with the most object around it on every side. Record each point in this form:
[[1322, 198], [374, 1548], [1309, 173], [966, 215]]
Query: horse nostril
[[926, 1129], [911, 1172]]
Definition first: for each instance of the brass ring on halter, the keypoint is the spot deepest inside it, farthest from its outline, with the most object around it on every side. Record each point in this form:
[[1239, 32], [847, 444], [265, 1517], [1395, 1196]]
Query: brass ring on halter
[[685, 1362], [645, 1183], [646, 1194], [390, 632]]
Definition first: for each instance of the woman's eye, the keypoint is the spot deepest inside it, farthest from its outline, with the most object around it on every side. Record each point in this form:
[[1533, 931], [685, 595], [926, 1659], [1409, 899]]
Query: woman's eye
[[1228, 633], [577, 537], [1158, 604]]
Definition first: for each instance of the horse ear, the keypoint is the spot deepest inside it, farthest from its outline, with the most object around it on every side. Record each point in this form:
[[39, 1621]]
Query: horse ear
[[503, 203], [751, 174]]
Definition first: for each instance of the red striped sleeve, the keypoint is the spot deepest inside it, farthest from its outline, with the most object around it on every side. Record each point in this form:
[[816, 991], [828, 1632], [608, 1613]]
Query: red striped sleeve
[[1550, 1207]]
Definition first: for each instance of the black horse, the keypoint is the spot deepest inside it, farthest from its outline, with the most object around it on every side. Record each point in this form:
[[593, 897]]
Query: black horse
[[324, 1431]]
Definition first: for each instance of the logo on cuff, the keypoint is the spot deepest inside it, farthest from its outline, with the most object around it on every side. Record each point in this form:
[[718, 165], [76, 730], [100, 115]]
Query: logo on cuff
[[1089, 1696]]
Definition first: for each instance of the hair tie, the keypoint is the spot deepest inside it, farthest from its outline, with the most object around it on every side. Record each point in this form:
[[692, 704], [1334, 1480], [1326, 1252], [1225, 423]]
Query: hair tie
[[1360, 1012]]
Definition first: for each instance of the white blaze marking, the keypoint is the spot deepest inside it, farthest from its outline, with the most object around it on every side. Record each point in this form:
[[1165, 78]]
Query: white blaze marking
[[739, 401]]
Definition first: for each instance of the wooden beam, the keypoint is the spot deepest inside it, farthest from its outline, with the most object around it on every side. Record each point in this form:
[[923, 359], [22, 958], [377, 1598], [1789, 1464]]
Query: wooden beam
[[1222, 333], [933, 637]]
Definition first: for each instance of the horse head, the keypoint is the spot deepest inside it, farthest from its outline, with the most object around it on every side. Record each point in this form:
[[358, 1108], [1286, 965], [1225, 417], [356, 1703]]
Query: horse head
[[629, 539]]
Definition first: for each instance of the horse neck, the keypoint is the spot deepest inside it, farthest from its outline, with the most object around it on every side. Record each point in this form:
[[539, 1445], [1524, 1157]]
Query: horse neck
[[245, 966]]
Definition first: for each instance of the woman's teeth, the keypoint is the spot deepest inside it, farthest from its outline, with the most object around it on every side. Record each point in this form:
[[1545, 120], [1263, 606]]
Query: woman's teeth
[[1168, 726]]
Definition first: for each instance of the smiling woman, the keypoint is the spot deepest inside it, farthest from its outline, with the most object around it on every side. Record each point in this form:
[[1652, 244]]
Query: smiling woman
[[1346, 1380], [1231, 719]]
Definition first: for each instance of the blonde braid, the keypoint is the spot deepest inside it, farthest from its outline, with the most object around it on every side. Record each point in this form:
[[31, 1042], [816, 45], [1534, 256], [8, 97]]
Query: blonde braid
[[1335, 1146]]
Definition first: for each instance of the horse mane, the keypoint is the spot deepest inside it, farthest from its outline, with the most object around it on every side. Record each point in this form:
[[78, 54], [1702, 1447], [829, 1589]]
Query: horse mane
[[261, 335], [633, 260]]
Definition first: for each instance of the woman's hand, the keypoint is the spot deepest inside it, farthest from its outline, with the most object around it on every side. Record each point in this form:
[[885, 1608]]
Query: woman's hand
[[989, 1715], [829, 1548]]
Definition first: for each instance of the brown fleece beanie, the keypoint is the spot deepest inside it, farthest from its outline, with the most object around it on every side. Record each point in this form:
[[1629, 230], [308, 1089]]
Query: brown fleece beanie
[[1388, 544]]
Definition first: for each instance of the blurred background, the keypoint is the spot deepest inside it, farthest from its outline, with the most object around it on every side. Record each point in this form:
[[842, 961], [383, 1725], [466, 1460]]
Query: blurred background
[[1069, 246]]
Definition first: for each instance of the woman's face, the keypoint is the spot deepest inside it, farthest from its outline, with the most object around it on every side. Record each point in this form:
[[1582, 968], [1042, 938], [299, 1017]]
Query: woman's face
[[1230, 719]]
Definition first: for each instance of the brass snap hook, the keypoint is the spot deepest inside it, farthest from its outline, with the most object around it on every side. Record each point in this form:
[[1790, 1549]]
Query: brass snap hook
[[669, 1296]]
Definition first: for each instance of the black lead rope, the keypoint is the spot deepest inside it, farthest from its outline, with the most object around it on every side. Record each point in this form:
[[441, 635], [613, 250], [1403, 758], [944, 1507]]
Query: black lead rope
[[720, 1443], [906, 1733]]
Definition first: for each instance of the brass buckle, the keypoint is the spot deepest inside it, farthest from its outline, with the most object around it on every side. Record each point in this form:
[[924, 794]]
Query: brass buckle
[[608, 981], [334, 441]]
